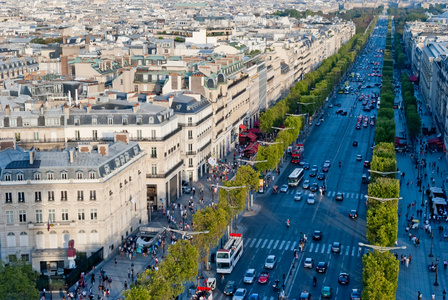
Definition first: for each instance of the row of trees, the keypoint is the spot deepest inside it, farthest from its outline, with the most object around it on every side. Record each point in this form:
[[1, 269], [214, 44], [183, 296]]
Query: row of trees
[[385, 126], [410, 106], [380, 268], [183, 259]]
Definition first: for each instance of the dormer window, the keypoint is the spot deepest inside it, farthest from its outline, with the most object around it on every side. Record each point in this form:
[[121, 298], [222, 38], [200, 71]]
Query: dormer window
[[94, 121], [122, 159], [7, 177], [117, 162], [107, 169], [64, 175], [20, 177], [50, 175], [139, 120], [110, 120], [36, 176], [126, 156], [77, 121], [79, 175], [151, 120], [92, 175], [124, 120], [135, 150]]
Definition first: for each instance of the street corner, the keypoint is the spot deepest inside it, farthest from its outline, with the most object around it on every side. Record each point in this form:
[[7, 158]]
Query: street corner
[[253, 211]]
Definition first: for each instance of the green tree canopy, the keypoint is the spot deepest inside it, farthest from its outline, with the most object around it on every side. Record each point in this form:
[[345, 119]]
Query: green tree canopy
[[18, 281]]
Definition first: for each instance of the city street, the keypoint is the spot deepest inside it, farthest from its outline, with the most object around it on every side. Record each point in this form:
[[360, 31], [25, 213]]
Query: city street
[[267, 233]]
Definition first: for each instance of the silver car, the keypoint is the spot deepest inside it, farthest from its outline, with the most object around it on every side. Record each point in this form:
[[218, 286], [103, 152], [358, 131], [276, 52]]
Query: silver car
[[308, 263], [249, 277], [298, 196], [240, 294], [270, 262], [311, 199]]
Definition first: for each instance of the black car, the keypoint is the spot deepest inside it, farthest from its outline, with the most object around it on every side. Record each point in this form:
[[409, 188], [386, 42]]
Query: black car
[[230, 288], [306, 166], [339, 196], [344, 113], [355, 143], [336, 247], [321, 267], [339, 111], [317, 235], [313, 172], [314, 187], [343, 278], [321, 176], [338, 104]]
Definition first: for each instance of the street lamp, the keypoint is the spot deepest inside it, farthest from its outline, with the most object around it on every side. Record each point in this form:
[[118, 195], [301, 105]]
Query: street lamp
[[432, 236], [437, 272], [251, 162], [281, 129], [382, 200], [384, 173], [228, 189], [380, 248], [269, 143]]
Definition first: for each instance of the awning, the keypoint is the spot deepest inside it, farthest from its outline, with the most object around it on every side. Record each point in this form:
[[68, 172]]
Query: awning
[[252, 136], [439, 201], [243, 127], [255, 130], [413, 78], [252, 148], [435, 140], [257, 123]]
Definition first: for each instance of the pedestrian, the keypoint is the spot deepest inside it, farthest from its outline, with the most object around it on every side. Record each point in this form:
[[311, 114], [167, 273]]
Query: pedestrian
[[115, 261], [410, 258], [433, 296], [445, 264], [402, 259], [407, 262], [129, 273]]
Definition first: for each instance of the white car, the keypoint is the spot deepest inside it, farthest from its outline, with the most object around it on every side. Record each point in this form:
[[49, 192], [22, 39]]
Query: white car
[[270, 262], [311, 199], [240, 294], [359, 157], [249, 277], [308, 263], [298, 196], [284, 188]]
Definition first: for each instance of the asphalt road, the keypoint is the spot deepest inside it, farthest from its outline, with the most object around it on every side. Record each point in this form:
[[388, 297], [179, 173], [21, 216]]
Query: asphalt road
[[267, 234]]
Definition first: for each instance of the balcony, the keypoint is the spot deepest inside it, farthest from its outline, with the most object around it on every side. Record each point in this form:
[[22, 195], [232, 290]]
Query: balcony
[[168, 173], [191, 153]]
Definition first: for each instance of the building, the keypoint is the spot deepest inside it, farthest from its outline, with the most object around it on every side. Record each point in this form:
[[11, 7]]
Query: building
[[95, 195]]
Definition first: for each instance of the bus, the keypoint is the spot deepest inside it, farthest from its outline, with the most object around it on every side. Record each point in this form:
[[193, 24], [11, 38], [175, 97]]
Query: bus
[[227, 257], [297, 153], [295, 177]]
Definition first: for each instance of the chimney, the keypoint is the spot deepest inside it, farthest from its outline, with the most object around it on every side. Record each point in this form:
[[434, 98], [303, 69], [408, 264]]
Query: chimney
[[135, 108], [66, 111], [121, 136], [103, 149], [64, 40], [42, 110], [87, 40], [71, 155], [88, 108], [32, 154], [85, 148], [7, 110]]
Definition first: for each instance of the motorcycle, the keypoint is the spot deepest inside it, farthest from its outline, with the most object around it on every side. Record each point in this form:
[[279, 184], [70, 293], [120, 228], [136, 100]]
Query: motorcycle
[[314, 281], [432, 268], [287, 224], [275, 286]]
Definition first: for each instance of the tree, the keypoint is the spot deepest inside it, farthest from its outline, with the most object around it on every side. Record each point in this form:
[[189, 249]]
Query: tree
[[18, 281], [380, 276], [267, 121]]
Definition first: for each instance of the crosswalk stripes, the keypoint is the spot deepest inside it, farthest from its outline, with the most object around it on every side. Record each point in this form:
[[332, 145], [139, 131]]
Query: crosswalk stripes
[[329, 249], [311, 247], [281, 245], [270, 243], [253, 242], [323, 249], [353, 251], [317, 248], [330, 194], [258, 244], [275, 245], [293, 245], [287, 245]]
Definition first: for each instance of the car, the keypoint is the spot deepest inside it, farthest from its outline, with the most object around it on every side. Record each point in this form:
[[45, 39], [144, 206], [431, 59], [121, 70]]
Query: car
[[355, 294], [358, 126], [339, 111], [317, 235], [368, 86], [264, 277], [306, 184], [326, 166], [321, 267], [314, 187], [254, 297], [186, 189], [230, 288], [326, 292], [249, 276], [359, 157], [284, 188], [321, 176], [308, 263], [339, 196], [270, 262], [330, 105], [306, 166], [344, 113], [335, 247], [305, 295], [338, 104], [353, 214], [313, 172], [298, 196], [240, 294], [365, 178], [311, 199], [366, 164], [343, 278], [355, 143], [318, 123]]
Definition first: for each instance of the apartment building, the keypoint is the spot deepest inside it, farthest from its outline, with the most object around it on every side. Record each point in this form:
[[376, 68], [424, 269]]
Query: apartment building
[[13, 67], [95, 195]]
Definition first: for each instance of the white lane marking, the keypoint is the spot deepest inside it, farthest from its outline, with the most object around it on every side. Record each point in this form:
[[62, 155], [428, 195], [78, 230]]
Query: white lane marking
[[347, 251], [293, 245], [248, 241], [264, 243], [259, 242], [329, 249], [353, 251], [317, 248], [356, 196], [281, 245], [311, 247], [275, 245], [253, 242], [323, 248], [270, 244]]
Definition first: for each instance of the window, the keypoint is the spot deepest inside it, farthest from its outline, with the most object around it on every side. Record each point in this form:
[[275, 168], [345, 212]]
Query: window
[[77, 135], [22, 216], [190, 162], [50, 176], [8, 197], [9, 217], [25, 257], [93, 214], [124, 120], [52, 215], [63, 195], [81, 216], [20, 177], [190, 147], [36, 136], [80, 195], [190, 121], [92, 195], [135, 88], [17, 134], [94, 135], [153, 152], [13, 122], [139, 120], [64, 214], [7, 177], [21, 196], [190, 134], [153, 134], [139, 134], [92, 175], [77, 121], [154, 169], [110, 121], [63, 175], [50, 195], [94, 121], [37, 196], [79, 175], [36, 176], [39, 218]]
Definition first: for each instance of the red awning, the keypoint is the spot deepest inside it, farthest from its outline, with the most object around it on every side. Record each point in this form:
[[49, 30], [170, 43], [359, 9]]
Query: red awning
[[413, 78], [255, 130], [243, 127], [435, 141], [257, 123], [252, 136], [252, 148]]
